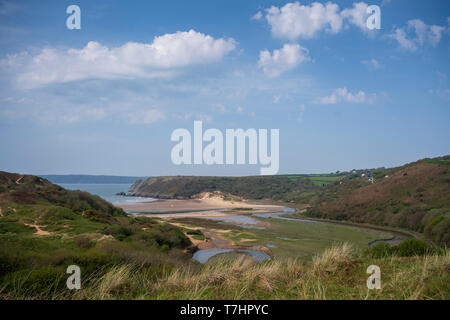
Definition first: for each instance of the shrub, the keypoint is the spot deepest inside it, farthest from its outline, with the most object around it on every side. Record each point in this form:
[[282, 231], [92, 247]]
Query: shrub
[[14, 227], [120, 232], [381, 250], [430, 226], [84, 242], [412, 247]]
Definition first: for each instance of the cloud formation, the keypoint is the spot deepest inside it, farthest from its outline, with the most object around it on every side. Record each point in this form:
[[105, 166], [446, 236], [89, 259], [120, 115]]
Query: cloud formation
[[417, 34], [160, 58], [282, 60], [343, 95], [293, 20], [146, 116], [372, 64]]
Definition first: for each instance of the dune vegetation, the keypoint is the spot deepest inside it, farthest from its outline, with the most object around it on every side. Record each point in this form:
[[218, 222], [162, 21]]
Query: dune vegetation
[[338, 273]]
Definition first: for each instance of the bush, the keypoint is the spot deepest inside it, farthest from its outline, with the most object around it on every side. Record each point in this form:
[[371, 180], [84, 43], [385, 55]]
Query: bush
[[84, 242], [412, 247], [430, 226], [381, 250], [440, 232], [407, 248], [120, 232], [15, 227]]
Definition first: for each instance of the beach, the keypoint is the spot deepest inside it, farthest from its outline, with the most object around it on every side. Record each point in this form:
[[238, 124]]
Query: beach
[[204, 202]]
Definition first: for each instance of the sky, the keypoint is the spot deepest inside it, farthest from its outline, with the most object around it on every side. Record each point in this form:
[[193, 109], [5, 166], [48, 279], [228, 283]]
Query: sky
[[105, 99]]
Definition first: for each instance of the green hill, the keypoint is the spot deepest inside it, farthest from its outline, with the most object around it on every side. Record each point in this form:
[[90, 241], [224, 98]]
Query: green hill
[[27, 189], [415, 196], [45, 228], [286, 188], [87, 179]]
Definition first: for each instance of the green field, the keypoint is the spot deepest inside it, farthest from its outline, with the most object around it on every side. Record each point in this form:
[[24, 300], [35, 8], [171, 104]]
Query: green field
[[319, 235], [301, 239]]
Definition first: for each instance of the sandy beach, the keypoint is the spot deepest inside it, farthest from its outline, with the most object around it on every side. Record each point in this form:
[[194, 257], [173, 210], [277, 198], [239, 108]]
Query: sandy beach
[[205, 201], [204, 206]]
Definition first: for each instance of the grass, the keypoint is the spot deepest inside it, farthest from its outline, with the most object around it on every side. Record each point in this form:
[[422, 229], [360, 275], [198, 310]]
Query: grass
[[32, 266], [312, 237], [321, 180], [338, 273], [318, 180]]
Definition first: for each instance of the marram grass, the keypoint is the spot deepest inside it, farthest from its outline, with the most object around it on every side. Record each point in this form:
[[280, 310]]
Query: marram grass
[[338, 273]]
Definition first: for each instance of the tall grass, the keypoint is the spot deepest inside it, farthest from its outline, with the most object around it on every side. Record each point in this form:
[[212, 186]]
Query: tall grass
[[338, 273]]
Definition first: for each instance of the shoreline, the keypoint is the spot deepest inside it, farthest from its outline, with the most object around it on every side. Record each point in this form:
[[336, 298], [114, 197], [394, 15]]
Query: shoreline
[[211, 205], [206, 202]]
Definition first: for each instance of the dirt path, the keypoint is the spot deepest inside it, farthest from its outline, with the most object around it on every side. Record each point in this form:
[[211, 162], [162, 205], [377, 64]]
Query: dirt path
[[1, 213], [18, 180], [39, 231]]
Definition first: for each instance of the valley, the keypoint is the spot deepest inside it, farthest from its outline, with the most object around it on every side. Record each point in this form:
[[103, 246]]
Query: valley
[[280, 237]]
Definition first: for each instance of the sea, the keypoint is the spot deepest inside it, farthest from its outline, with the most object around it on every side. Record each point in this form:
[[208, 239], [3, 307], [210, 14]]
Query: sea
[[107, 191]]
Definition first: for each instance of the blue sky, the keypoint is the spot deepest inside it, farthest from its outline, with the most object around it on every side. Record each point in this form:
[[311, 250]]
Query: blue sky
[[105, 99]]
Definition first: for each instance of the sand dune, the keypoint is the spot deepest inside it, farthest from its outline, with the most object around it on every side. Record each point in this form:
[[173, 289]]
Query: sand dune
[[204, 201]]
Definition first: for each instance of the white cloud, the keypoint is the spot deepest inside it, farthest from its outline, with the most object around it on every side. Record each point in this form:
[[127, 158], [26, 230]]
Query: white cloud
[[219, 107], [240, 109], [294, 20], [132, 60], [417, 33], [404, 42], [276, 99], [84, 103], [343, 95], [146, 116], [301, 111], [204, 117], [424, 33], [257, 16], [282, 60], [357, 15], [372, 64]]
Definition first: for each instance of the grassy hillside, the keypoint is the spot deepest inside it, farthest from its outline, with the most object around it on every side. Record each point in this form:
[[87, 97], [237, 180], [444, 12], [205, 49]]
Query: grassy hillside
[[44, 229], [286, 188], [32, 190], [87, 179], [415, 196]]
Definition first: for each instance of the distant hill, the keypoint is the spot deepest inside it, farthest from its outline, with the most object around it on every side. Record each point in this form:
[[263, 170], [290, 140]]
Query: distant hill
[[415, 196], [287, 188], [88, 179], [33, 190]]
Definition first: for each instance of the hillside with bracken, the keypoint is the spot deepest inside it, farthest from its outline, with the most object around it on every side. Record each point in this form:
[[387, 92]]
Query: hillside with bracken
[[415, 196]]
